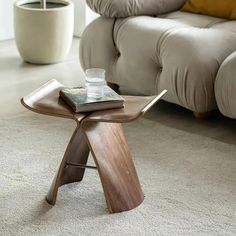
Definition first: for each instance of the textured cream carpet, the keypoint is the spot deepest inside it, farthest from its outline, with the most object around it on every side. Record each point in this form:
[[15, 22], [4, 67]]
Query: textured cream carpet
[[189, 180]]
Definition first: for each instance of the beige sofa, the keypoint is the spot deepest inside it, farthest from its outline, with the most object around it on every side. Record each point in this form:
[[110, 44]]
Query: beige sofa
[[149, 45]]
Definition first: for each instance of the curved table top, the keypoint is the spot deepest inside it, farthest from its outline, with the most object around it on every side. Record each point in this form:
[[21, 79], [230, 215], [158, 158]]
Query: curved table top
[[45, 100]]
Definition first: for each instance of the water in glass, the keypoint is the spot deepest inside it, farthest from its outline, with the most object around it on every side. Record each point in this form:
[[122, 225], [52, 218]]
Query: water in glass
[[95, 87], [95, 81]]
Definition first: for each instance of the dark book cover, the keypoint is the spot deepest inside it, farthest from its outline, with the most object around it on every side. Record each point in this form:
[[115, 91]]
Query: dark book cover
[[77, 99]]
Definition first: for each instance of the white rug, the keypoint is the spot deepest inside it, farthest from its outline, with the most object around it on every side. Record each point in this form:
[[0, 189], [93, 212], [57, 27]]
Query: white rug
[[189, 183]]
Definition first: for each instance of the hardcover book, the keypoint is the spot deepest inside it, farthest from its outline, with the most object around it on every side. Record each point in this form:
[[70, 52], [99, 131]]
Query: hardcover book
[[77, 99]]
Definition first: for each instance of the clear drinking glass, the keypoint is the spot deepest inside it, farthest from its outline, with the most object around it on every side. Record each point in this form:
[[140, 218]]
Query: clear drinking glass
[[95, 82]]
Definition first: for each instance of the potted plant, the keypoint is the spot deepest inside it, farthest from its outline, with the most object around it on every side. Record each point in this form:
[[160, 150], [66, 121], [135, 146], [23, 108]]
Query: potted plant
[[43, 29]]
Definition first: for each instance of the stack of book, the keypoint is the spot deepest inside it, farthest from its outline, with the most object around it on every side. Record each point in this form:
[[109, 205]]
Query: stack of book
[[77, 99]]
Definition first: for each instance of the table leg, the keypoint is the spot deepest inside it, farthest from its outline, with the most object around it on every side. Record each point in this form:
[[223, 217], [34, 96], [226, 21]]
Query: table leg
[[76, 152], [115, 166]]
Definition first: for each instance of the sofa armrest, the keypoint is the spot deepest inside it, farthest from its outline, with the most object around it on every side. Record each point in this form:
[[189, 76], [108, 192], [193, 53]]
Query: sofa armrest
[[125, 8], [225, 87]]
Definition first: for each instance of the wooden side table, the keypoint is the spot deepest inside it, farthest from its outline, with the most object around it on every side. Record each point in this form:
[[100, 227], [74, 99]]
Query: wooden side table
[[101, 133]]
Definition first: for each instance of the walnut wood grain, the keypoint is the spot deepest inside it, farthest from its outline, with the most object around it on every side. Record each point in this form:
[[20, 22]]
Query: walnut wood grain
[[102, 133], [76, 152], [134, 107], [45, 100], [112, 156]]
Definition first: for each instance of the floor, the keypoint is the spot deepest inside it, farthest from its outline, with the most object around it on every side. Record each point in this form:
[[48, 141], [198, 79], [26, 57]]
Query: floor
[[191, 191]]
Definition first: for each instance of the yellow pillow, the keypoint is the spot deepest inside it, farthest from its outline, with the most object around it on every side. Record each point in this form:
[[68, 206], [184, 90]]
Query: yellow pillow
[[218, 8]]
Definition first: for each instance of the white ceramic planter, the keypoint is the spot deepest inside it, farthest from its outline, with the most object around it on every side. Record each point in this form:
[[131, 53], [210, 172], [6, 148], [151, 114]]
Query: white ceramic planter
[[43, 36]]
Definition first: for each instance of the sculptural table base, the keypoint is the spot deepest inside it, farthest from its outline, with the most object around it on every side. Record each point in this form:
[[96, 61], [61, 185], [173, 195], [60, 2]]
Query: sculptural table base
[[113, 161], [101, 133]]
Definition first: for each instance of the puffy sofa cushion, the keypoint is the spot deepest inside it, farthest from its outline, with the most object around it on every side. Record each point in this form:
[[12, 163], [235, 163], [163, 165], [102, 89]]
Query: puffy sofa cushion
[[124, 8], [225, 87], [218, 8], [179, 51]]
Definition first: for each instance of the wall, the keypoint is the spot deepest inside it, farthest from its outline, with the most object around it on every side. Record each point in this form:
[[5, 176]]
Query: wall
[[6, 19], [83, 16]]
